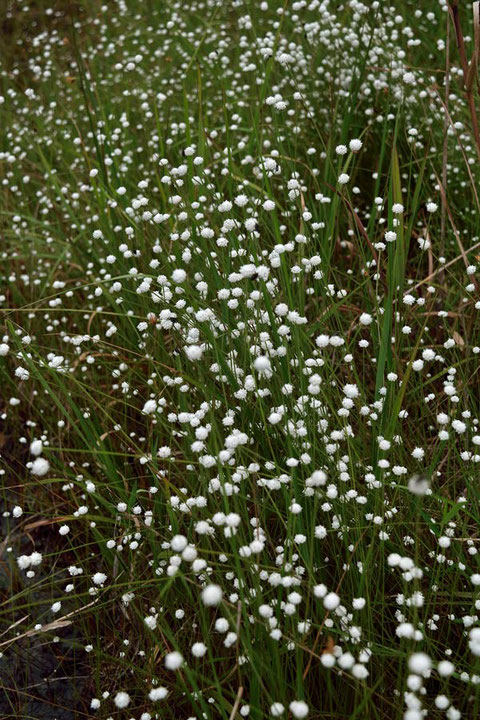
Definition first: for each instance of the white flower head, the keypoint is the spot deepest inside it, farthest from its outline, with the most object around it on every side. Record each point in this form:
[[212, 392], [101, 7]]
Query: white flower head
[[419, 484]]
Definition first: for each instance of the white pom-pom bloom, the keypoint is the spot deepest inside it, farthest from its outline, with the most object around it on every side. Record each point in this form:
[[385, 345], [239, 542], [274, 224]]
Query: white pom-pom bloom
[[262, 364], [276, 709], [199, 649], [442, 702], [351, 391], [320, 590], [149, 407], [35, 558], [122, 700], [299, 708], [365, 318], [23, 562], [99, 578], [178, 543], [358, 603], [193, 352], [36, 447], [158, 693], [331, 601], [418, 485], [474, 641], [179, 276], [346, 661], [412, 714], [173, 660], [419, 663], [150, 621], [40, 467], [22, 373], [445, 668], [316, 479], [355, 145], [327, 660], [212, 595]]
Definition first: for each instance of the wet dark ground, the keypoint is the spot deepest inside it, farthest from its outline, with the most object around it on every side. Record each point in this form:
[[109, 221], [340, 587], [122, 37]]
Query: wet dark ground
[[40, 680], [47, 675]]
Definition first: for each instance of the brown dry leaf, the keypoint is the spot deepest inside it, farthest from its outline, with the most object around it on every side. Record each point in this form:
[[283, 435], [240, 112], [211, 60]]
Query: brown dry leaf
[[15, 624], [45, 521], [475, 59], [89, 324], [458, 338], [54, 625]]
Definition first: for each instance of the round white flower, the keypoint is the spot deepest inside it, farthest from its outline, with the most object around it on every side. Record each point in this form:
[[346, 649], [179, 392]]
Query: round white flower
[[36, 447], [173, 660], [262, 364], [298, 708], [193, 352], [419, 663], [40, 467], [158, 693], [212, 595], [199, 649], [179, 276], [331, 601], [122, 700]]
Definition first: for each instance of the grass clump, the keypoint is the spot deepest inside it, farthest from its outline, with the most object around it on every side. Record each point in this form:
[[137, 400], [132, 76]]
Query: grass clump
[[239, 360]]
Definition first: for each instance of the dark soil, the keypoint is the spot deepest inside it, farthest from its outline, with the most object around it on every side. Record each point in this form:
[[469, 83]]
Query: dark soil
[[40, 679]]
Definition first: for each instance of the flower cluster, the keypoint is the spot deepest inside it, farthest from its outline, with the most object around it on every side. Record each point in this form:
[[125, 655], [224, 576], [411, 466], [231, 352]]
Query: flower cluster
[[239, 357]]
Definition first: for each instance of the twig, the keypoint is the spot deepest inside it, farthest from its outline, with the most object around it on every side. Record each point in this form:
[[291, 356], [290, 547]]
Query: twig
[[236, 703], [445, 144], [469, 70], [54, 625], [472, 70], [17, 622], [448, 117]]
